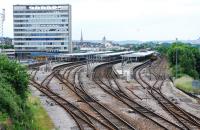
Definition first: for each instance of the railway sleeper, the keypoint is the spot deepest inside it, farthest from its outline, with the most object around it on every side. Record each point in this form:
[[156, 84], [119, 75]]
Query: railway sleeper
[[54, 96], [187, 125], [143, 108], [168, 105], [86, 127], [88, 99]]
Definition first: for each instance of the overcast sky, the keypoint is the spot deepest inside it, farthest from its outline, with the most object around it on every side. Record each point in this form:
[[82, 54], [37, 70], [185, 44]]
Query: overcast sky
[[124, 19]]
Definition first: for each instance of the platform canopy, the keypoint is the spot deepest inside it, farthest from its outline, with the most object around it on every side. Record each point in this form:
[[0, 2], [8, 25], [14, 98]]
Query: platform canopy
[[139, 54], [114, 54], [81, 54]]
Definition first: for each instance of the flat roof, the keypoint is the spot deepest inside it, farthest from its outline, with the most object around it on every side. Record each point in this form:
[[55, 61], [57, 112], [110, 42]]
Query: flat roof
[[82, 54], [139, 54], [115, 54], [41, 4]]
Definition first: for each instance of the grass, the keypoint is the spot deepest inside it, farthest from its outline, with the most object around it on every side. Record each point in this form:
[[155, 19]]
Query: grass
[[4, 119], [185, 83], [41, 119]]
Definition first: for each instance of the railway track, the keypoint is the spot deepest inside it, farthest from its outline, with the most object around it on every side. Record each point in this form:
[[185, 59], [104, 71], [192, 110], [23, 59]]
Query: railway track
[[184, 119], [98, 116], [105, 115], [149, 113], [80, 117], [87, 120], [122, 96]]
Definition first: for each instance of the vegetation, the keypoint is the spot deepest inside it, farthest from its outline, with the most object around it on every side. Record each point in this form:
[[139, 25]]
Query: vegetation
[[188, 63], [40, 116], [6, 46], [185, 83], [188, 56], [141, 46], [15, 109], [188, 59], [163, 48]]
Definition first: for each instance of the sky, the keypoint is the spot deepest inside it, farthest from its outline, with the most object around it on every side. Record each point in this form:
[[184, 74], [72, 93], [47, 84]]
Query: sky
[[124, 19]]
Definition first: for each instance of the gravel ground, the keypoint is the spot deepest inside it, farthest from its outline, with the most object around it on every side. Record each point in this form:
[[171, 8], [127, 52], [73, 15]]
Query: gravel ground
[[61, 119], [117, 106], [147, 100], [127, 67], [184, 101], [64, 121]]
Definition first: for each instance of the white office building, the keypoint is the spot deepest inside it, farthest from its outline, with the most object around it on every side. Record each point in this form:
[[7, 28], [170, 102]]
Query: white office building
[[42, 29]]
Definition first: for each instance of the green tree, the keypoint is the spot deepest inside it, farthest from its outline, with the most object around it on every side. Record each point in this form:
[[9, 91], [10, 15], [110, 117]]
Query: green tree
[[15, 74], [10, 102], [187, 57], [6, 46], [196, 53]]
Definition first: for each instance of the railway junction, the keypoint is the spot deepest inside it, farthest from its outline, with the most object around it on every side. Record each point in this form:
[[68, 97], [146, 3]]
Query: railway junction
[[114, 91]]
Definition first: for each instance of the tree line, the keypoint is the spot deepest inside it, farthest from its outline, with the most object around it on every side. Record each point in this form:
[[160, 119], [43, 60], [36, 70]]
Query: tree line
[[188, 58]]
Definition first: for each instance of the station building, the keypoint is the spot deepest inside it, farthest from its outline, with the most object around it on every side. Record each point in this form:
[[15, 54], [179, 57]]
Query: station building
[[40, 29]]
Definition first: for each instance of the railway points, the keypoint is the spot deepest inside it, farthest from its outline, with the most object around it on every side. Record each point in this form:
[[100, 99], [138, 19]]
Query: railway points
[[105, 100]]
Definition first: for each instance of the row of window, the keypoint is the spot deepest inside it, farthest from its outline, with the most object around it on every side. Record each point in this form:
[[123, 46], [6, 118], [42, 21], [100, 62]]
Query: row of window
[[41, 16], [40, 34], [38, 39], [39, 48], [42, 30], [41, 20], [42, 43], [41, 11], [40, 25], [40, 7]]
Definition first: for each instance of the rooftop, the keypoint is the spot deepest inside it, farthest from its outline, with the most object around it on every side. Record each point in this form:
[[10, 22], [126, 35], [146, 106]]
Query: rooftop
[[139, 54], [82, 54], [115, 53]]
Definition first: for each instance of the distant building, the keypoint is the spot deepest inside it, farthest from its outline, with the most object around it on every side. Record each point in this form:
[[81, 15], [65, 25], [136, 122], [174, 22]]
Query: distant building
[[106, 44], [2, 19], [9, 52], [104, 40], [6, 41], [42, 29], [81, 40]]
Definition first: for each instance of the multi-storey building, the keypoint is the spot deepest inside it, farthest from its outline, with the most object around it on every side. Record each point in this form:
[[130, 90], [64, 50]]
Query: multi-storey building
[[42, 29]]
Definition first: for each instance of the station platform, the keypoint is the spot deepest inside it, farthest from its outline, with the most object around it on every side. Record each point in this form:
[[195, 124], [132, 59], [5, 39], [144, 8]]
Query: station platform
[[125, 71]]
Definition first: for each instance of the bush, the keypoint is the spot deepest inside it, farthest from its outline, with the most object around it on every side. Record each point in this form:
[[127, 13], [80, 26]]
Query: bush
[[9, 100], [13, 94], [15, 74]]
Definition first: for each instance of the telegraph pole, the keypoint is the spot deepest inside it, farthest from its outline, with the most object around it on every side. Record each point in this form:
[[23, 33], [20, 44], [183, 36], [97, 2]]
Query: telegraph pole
[[88, 66], [122, 65], [176, 58]]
